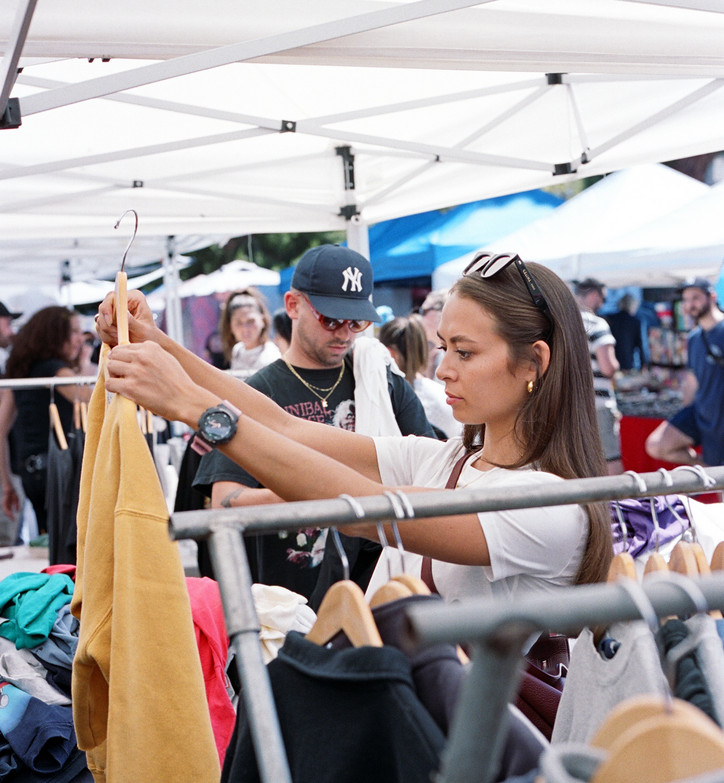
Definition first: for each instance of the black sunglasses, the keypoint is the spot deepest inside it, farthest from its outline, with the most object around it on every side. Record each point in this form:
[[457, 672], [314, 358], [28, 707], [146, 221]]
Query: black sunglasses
[[489, 264]]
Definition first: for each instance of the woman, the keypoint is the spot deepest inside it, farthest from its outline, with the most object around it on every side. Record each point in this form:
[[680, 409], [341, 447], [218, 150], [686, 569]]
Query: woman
[[405, 339], [244, 328], [516, 373], [48, 346]]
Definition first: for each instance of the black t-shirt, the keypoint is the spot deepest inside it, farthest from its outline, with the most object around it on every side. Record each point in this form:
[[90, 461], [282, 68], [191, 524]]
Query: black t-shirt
[[32, 425], [292, 559]]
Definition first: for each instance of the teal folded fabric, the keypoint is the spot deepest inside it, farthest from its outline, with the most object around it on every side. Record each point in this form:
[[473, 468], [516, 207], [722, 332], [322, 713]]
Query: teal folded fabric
[[30, 604]]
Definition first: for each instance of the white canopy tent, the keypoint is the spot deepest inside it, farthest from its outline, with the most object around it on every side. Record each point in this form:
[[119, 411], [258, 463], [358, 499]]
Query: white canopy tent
[[686, 242], [613, 207], [221, 121]]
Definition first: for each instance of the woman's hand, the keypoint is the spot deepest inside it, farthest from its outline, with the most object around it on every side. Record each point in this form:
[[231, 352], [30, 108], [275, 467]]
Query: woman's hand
[[152, 378], [141, 325]]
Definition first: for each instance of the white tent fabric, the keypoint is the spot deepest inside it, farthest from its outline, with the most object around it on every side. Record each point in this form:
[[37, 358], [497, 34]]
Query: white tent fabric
[[688, 241], [612, 207], [229, 277], [224, 121]]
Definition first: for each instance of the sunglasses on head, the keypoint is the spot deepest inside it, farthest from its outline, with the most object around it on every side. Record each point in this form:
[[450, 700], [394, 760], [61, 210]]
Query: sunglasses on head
[[489, 264], [332, 324]]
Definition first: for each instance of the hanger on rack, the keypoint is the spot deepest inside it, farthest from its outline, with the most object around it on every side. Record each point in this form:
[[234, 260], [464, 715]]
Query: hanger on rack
[[343, 607], [717, 558], [414, 583], [622, 564], [55, 421], [120, 308], [393, 589], [656, 740]]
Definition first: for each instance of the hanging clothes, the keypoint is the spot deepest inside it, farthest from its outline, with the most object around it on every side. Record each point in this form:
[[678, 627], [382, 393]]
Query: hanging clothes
[[61, 496], [595, 685], [345, 715], [139, 703]]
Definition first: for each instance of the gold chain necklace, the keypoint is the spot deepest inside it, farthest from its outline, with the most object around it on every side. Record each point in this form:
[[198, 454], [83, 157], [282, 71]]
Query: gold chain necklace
[[316, 389]]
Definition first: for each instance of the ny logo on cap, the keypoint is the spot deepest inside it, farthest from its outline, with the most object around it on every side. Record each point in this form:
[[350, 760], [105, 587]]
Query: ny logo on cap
[[353, 277]]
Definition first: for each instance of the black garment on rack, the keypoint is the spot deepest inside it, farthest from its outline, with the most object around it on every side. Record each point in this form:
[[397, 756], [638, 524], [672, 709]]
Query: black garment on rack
[[690, 684], [439, 676], [345, 715], [188, 498], [61, 497]]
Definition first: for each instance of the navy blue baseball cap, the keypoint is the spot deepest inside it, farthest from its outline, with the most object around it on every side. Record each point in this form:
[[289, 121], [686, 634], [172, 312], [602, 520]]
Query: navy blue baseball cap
[[697, 282], [338, 282]]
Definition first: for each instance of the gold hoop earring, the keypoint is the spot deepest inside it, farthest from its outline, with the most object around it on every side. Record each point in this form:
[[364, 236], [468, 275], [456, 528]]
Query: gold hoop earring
[[530, 387]]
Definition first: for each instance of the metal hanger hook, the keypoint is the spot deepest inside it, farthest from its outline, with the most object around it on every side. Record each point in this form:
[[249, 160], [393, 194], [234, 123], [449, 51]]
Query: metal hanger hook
[[359, 512], [135, 231], [640, 483], [400, 513]]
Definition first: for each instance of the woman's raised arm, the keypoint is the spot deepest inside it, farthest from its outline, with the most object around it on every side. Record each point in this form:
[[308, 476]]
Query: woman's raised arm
[[183, 389]]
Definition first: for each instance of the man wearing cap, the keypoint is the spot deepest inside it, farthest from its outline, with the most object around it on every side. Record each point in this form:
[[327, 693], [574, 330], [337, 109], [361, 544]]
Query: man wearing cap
[[591, 294], [8, 526], [6, 334], [330, 303], [701, 421]]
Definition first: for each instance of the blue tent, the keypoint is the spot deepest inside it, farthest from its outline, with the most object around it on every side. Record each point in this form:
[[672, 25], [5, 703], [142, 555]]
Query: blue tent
[[413, 246]]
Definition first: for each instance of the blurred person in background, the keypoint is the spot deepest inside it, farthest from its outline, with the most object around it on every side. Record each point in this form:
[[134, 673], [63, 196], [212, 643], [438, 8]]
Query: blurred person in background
[[405, 339], [590, 295], [626, 330], [6, 334], [431, 312], [245, 328], [282, 325], [701, 421], [47, 346]]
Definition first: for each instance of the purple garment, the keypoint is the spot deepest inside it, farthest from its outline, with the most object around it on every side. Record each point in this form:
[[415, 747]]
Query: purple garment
[[641, 528]]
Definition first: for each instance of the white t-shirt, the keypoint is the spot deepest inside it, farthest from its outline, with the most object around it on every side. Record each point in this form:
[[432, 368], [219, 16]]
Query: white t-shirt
[[246, 361], [530, 548]]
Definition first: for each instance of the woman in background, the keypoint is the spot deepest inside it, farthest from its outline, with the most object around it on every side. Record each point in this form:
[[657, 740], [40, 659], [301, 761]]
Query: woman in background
[[48, 346], [405, 338], [244, 329]]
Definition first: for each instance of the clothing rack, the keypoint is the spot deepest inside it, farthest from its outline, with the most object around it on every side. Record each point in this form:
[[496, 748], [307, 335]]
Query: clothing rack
[[498, 628], [47, 382], [495, 664]]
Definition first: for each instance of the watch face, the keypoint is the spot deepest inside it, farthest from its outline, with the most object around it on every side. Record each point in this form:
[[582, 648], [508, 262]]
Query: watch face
[[217, 426]]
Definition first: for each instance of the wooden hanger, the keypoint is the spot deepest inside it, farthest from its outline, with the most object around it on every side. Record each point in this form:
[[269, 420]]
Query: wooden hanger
[[650, 741], [76, 414], [84, 415], [390, 591], [717, 558], [622, 565], [655, 563], [57, 426], [413, 583], [683, 560], [703, 568], [344, 608]]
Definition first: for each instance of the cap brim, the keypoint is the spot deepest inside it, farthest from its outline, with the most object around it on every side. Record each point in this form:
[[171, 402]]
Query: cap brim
[[344, 308]]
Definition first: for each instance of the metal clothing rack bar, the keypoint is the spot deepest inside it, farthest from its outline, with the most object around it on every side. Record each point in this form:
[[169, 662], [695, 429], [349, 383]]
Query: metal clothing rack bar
[[221, 527], [48, 382], [497, 629]]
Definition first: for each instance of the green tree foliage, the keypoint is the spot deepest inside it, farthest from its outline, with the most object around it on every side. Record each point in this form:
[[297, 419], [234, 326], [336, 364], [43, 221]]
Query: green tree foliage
[[271, 251]]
